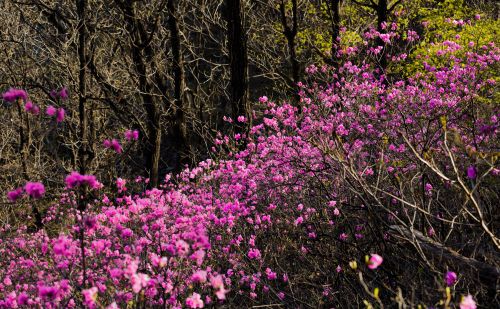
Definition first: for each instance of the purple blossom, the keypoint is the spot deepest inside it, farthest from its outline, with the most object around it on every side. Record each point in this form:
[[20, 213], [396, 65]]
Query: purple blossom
[[450, 278], [13, 94], [14, 195], [51, 110], [471, 172], [35, 189], [60, 114]]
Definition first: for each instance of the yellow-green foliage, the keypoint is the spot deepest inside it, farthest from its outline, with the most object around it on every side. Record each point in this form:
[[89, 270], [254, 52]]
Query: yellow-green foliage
[[440, 27]]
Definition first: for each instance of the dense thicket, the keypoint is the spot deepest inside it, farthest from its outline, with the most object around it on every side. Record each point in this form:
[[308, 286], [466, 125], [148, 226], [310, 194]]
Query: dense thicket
[[377, 137]]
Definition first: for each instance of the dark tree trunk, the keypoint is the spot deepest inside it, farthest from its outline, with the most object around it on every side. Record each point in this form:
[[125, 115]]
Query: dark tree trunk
[[82, 89], [237, 45], [334, 8], [382, 14], [290, 35], [178, 132], [140, 43]]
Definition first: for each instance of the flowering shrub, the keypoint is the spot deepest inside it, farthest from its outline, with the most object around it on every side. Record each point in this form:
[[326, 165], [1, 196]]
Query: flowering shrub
[[396, 172]]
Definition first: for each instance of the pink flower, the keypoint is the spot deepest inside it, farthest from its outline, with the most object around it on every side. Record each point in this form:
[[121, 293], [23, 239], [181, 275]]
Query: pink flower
[[116, 146], [60, 114], [63, 94], [89, 297], [14, 195], [375, 261], [181, 247], [263, 99], [195, 301], [131, 135], [139, 281], [218, 284], [35, 110], [120, 184], [51, 110], [343, 236], [48, 292], [76, 179], [199, 276], [28, 106], [299, 221], [450, 278], [113, 305], [241, 119], [270, 274], [198, 256], [254, 254], [468, 302], [35, 189], [385, 37], [12, 94], [471, 172]]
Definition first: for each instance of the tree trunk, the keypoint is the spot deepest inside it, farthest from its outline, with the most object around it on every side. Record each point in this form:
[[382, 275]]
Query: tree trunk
[[238, 61], [290, 35], [178, 132], [153, 143], [335, 28], [382, 13], [82, 89]]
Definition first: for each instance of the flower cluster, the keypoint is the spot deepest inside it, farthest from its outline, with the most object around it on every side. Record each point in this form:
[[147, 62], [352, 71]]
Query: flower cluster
[[34, 190]]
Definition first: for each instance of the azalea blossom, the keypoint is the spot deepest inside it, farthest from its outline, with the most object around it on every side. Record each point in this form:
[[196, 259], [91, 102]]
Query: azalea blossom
[[375, 261]]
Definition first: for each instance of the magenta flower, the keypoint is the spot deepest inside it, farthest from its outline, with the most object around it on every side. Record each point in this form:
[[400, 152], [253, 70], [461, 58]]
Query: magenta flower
[[375, 261], [139, 281], [28, 106], [89, 297], [114, 144], [450, 278], [47, 292], [63, 94], [254, 254], [14, 195], [35, 110], [60, 114], [13, 94], [131, 135], [343, 236], [35, 189], [299, 221], [51, 110], [121, 185], [218, 284], [199, 276], [468, 302], [270, 274], [76, 179], [195, 301], [31, 108], [471, 172]]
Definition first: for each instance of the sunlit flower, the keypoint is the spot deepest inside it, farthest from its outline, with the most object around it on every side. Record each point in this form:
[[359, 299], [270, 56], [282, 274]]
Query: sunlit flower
[[468, 302], [375, 261]]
